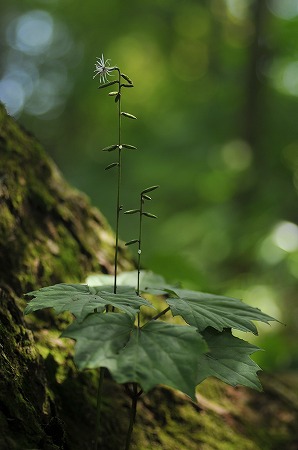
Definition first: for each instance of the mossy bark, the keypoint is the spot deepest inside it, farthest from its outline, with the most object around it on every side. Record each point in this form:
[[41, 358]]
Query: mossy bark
[[49, 233]]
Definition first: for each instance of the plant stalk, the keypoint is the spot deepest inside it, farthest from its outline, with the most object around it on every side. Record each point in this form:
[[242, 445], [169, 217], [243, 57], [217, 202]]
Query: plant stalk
[[140, 243], [98, 406], [134, 401], [118, 206], [161, 313]]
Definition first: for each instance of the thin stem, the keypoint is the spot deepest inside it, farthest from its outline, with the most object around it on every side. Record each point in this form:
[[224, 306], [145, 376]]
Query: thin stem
[[140, 243], [133, 411], [118, 206], [161, 313], [98, 406]]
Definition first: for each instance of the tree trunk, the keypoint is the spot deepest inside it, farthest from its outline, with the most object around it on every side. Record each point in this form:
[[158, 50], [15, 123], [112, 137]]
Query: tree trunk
[[49, 233]]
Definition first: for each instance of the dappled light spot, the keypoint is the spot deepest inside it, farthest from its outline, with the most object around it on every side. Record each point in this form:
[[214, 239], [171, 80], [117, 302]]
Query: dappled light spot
[[31, 33], [285, 236], [43, 100], [281, 241], [263, 297], [36, 74], [238, 11], [237, 155], [12, 95], [270, 253], [284, 9], [284, 76], [290, 78], [293, 264]]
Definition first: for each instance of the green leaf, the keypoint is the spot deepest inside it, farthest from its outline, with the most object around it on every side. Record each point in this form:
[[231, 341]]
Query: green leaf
[[114, 164], [108, 84], [132, 211], [202, 310], [161, 353], [110, 148], [126, 78], [130, 116], [228, 360], [99, 338], [149, 189], [147, 214], [82, 300], [130, 147], [133, 241]]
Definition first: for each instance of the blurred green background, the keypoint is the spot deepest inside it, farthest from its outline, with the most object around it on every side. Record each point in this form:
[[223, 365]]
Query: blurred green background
[[216, 96]]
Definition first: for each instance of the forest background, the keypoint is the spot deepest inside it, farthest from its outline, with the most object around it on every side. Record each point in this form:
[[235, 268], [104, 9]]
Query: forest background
[[216, 96]]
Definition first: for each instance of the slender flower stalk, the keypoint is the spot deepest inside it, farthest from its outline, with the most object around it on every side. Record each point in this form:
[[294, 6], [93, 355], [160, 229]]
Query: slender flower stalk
[[118, 205], [143, 196], [103, 69]]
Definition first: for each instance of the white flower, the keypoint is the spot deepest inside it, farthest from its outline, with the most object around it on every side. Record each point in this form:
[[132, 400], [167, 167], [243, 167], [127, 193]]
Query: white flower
[[102, 68]]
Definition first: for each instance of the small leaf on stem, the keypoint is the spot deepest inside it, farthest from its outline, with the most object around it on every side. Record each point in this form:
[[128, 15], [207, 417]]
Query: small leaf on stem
[[110, 148], [147, 214], [132, 211], [126, 78], [146, 197], [113, 93], [130, 116], [112, 165], [133, 241], [131, 147], [110, 83], [149, 189]]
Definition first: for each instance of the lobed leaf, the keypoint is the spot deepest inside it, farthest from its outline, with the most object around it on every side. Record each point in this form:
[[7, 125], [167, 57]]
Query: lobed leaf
[[228, 359], [82, 300], [202, 310], [161, 353], [99, 338]]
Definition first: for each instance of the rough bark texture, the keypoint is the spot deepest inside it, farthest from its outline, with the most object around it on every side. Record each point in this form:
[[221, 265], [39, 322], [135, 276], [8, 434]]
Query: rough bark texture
[[49, 233]]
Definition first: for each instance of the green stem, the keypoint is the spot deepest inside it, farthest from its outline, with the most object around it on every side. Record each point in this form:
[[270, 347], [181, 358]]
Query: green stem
[[140, 243], [161, 313], [118, 206], [98, 406], [133, 411]]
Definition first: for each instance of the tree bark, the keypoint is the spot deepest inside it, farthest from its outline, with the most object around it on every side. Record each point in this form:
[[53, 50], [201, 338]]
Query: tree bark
[[49, 233]]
